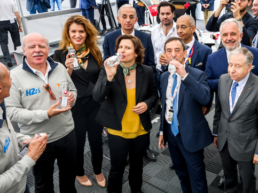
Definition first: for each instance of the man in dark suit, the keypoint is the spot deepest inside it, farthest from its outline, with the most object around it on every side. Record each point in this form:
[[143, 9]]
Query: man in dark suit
[[217, 63], [239, 12], [127, 18], [197, 53], [235, 121], [183, 124]]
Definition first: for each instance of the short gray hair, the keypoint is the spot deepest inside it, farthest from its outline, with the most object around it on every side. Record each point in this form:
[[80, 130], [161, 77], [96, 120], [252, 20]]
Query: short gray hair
[[128, 6], [232, 20], [244, 51], [23, 39], [190, 19]]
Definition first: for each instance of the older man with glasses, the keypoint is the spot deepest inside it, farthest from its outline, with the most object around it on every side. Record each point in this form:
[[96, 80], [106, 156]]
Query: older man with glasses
[[34, 104]]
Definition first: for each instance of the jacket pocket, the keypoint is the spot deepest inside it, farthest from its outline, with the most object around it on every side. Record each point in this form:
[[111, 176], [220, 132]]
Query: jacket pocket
[[201, 126]]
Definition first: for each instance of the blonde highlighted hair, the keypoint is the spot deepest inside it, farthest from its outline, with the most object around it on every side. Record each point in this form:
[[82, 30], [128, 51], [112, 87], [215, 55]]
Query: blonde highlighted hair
[[91, 40]]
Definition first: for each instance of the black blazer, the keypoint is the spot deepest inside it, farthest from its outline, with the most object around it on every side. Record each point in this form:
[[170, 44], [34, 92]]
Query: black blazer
[[84, 81], [115, 98]]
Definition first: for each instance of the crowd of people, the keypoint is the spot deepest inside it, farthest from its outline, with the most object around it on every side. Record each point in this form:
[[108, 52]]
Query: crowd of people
[[170, 66]]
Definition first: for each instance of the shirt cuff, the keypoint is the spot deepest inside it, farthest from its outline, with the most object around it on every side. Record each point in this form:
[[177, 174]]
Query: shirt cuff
[[161, 133], [184, 77], [215, 135]]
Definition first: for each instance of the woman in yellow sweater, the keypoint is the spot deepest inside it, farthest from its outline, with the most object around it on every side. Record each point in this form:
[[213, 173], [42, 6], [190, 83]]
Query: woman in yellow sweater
[[127, 92]]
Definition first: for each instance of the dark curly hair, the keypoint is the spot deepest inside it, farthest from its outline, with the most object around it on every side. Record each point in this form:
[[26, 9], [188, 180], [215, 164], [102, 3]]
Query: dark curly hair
[[138, 47]]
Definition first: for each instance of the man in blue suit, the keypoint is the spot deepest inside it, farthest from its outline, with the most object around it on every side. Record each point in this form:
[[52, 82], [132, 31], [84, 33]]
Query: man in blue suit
[[197, 53], [183, 125], [127, 18], [218, 61], [239, 12]]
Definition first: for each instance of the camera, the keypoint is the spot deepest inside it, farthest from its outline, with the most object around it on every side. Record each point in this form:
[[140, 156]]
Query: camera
[[228, 7]]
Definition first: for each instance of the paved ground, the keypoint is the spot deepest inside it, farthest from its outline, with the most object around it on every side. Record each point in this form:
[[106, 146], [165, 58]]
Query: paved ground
[[157, 177]]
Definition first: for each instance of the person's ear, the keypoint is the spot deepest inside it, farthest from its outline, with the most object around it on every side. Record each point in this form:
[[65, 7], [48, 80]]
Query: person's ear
[[118, 19], [24, 51], [1, 88], [185, 53], [241, 36]]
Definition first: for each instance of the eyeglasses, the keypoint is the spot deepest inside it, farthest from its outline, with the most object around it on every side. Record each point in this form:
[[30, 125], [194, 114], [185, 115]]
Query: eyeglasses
[[182, 27], [52, 96]]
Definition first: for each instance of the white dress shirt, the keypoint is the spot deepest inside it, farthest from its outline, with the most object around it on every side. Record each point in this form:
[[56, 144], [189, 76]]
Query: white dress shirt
[[40, 74], [133, 33], [7, 10], [1, 113], [239, 88], [190, 45], [158, 39], [169, 94]]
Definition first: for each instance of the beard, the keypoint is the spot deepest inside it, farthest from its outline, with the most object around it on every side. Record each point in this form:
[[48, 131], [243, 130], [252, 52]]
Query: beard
[[168, 23], [236, 45]]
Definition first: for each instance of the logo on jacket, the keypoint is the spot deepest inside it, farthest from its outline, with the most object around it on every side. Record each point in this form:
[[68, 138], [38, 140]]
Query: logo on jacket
[[32, 91], [6, 144]]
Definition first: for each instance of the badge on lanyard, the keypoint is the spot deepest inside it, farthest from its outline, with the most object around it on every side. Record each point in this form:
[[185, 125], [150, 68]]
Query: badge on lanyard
[[170, 114]]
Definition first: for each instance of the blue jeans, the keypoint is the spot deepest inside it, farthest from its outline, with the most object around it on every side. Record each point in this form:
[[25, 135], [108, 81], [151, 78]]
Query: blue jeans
[[89, 14], [27, 190], [58, 2], [36, 8], [140, 13]]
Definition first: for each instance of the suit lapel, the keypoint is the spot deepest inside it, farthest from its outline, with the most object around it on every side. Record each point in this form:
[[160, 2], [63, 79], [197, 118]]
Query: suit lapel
[[164, 90], [246, 91], [225, 94], [195, 53], [137, 34], [121, 80], [139, 80]]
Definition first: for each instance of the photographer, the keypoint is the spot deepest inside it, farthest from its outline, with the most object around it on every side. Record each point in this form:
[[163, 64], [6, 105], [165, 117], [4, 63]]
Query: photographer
[[239, 12]]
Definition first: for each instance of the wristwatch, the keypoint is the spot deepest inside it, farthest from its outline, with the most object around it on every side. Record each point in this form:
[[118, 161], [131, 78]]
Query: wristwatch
[[240, 19]]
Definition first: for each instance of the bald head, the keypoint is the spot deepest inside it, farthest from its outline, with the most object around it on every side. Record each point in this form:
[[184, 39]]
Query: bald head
[[126, 7], [5, 82], [26, 39], [185, 26], [3, 71], [187, 18]]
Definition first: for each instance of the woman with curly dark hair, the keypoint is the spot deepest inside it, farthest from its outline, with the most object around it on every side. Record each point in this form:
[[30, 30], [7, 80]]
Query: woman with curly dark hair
[[127, 92], [81, 35]]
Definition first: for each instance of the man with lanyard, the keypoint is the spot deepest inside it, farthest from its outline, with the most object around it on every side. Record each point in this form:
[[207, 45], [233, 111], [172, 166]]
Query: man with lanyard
[[184, 90], [255, 13], [161, 32], [8, 11]]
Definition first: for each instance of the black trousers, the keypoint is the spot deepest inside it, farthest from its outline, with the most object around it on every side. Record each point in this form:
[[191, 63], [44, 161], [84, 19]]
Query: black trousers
[[192, 8], [64, 151], [120, 3], [246, 170], [84, 114], [119, 149], [12, 28], [101, 8], [73, 3]]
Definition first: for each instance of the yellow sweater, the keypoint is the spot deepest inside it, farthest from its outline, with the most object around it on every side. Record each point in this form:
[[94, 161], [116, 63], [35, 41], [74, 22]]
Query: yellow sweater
[[131, 123]]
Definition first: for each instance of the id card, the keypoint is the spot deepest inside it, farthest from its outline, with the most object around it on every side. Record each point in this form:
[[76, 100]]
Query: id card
[[170, 114], [75, 63], [64, 101], [12, 21], [23, 152]]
